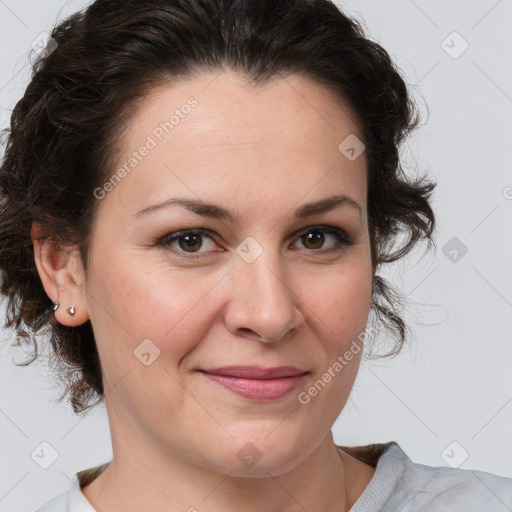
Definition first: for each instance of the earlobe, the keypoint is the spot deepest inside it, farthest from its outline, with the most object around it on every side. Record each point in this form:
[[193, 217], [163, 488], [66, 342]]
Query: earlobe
[[58, 269]]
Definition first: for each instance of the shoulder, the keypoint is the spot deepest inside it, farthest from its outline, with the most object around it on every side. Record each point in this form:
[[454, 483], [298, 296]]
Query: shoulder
[[401, 484], [73, 500], [57, 504], [429, 487]]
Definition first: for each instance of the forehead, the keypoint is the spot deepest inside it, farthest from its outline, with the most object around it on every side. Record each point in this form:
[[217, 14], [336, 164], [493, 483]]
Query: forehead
[[214, 130], [229, 110]]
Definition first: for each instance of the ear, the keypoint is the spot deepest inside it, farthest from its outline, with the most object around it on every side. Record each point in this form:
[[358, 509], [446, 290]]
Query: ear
[[61, 272]]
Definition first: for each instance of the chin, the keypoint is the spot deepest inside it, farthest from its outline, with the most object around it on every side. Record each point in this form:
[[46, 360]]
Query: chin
[[258, 453]]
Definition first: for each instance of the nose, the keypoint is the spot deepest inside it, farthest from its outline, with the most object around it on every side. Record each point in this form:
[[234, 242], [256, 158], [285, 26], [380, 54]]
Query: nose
[[263, 304]]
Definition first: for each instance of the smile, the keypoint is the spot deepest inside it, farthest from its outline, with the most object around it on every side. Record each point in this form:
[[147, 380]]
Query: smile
[[256, 383]]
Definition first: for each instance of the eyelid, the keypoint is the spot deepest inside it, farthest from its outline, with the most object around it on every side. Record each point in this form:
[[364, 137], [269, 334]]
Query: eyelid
[[166, 240], [342, 238], [326, 228]]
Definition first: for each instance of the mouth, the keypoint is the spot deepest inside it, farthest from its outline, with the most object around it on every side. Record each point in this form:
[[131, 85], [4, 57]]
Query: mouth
[[257, 383]]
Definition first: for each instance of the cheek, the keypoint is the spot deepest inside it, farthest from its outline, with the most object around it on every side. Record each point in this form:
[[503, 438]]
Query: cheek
[[340, 301], [143, 297], [134, 300], [339, 314], [146, 320], [338, 310]]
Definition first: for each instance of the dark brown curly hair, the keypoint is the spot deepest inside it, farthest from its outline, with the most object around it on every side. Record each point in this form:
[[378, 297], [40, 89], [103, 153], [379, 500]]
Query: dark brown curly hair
[[64, 132]]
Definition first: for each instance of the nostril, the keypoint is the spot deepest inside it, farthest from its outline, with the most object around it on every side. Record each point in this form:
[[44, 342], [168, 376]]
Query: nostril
[[245, 330], [253, 334]]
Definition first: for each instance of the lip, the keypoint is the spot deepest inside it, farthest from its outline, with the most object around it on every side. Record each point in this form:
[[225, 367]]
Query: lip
[[257, 383]]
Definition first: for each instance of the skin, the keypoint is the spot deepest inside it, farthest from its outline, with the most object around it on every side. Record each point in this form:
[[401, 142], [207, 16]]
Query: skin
[[260, 153]]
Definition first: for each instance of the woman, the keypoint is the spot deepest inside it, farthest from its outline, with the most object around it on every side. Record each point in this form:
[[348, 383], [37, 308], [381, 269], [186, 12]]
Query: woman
[[164, 175]]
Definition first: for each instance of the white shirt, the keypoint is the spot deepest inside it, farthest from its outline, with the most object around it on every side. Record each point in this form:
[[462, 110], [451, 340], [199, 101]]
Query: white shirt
[[398, 484]]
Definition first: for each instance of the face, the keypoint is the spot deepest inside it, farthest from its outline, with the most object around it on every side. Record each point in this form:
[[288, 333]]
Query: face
[[213, 324]]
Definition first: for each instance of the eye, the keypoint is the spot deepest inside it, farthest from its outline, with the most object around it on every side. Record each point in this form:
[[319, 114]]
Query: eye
[[315, 236], [189, 241]]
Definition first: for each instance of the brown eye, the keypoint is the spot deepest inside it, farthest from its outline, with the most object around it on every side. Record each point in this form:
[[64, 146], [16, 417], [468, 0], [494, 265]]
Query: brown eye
[[188, 242], [314, 238]]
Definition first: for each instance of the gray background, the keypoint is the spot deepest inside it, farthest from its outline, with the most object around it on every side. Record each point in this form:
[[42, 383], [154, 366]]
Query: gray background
[[448, 395]]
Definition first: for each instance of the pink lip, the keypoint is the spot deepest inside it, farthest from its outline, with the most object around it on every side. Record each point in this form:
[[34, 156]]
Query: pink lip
[[257, 383]]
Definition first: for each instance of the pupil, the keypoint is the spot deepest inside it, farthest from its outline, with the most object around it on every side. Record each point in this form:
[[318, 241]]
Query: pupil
[[192, 245]]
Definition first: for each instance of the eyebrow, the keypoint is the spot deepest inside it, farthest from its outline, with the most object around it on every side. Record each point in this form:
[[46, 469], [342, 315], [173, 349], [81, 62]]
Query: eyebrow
[[217, 212]]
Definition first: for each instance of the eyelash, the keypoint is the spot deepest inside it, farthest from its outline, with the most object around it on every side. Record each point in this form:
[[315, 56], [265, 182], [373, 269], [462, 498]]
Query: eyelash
[[342, 240]]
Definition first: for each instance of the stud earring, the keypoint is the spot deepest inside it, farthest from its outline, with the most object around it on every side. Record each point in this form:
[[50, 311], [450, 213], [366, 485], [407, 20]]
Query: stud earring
[[55, 306], [71, 310]]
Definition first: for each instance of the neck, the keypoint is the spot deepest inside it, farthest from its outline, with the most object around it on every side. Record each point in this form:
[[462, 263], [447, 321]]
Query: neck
[[135, 480]]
